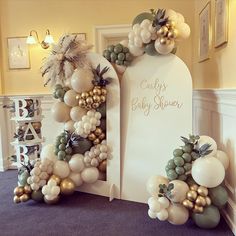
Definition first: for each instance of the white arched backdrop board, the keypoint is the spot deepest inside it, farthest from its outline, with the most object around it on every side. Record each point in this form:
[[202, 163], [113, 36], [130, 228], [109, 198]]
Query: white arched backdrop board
[[156, 101]]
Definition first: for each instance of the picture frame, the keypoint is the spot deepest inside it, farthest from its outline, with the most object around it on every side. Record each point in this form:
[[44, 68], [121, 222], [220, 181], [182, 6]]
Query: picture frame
[[221, 22], [18, 53], [81, 36], [205, 32]]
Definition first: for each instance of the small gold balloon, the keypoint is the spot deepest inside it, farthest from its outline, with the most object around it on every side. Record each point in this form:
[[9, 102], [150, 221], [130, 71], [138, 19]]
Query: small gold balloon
[[164, 30], [98, 131], [84, 95], [96, 98], [92, 137], [191, 195], [198, 209], [208, 201], [88, 106], [103, 166], [95, 105], [188, 204], [27, 189], [96, 141], [82, 103], [203, 191], [194, 187], [102, 98], [16, 199], [19, 191], [104, 91], [97, 91], [89, 100], [56, 178], [172, 23], [160, 32], [163, 41], [24, 198], [102, 136], [200, 201], [52, 202], [67, 186], [91, 93], [78, 96]]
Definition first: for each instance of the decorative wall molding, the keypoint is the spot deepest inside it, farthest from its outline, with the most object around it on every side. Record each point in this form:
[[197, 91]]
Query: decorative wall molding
[[214, 114]]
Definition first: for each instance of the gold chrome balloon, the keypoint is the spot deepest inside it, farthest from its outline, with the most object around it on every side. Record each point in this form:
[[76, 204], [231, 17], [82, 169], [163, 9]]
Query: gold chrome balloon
[[102, 98], [56, 178], [104, 91], [67, 186], [194, 187], [27, 189], [98, 131], [188, 204], [24, 198], [97, 91], [163, 41], [208, 201], [200, 201], [103, 166], [91, 136], [18, 191], [191, 195], [16, 199], [96, 141], [198, 209], [89, 100], [84, 95], [203, 191]]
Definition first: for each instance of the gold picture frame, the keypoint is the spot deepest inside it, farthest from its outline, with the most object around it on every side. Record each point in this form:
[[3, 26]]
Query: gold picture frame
[[205, 32], [221, 22], [18, 53]]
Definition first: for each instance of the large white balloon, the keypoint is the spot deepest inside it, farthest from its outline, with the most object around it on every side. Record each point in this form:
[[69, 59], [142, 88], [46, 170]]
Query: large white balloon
[[48, 152], [223, 158], [69, 126], [76, 113], [206, 139], [76, 163], [153, 184], [90, 175], [81, 80], [164, 48], [70, 98], [208, 172], [60, 112], [178, 193], [76, 178], [177, 214], [61, 169]]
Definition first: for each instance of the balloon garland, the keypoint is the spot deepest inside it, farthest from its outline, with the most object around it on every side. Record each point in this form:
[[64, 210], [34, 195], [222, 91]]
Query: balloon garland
[[80, 152], [194, 184]]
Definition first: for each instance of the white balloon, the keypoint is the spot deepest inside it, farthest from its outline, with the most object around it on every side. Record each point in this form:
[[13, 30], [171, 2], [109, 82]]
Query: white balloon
[[131, 35], [69, 126], [76, 163], [162, 215], [177, 214], [45, 190], [55, 190], [171, 14], [138, 42], [153, 184], [60, 112], [164, 48], [76, 178], [164, 202], [90, 175], [206, 139], [155, 206], [48, 152], [81, 80], [136, 51], [61, 169], [180, 18], [145, 35], [179, 192], [223, 158], [145, 23], [184, 30], [208, 172], [151, 214], [76, 113], [70, 98], [137, 31]]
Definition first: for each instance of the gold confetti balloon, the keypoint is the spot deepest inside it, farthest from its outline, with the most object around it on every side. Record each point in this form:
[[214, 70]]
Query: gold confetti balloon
[[67, 186]]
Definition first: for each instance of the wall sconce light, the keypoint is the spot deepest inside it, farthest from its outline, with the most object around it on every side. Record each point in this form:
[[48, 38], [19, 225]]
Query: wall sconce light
[[45, 43]]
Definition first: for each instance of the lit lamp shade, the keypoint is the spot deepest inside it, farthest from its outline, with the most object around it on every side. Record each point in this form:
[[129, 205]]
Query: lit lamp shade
[[49, 39], [31, 40]]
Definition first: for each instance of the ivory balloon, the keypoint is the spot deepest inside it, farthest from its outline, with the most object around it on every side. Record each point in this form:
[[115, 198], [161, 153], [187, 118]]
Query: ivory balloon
[[184, 30], [70, 98], [208, 172], [154, 205], [223, 158], [178, 193], [151, 214], [81, 80], [76, 178], [61, 169], [206, 139], [90, 175], [69, 126], [164, 202], [180, 18], [153, 184], [164, 48], [48, 152], [68, 83], [76, 163], [76, 113], [60, 112], [162, 215], [171, 14], [124, 42], [136, 51], [178, 214]]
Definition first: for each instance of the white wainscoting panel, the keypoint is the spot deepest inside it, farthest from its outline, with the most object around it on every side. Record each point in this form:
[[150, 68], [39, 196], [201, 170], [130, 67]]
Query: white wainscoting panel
[[214, 114]]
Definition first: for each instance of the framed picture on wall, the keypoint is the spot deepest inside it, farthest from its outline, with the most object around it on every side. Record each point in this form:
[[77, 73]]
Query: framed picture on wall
[[18, 53], [205, 33], [81, 36], [221, 22]]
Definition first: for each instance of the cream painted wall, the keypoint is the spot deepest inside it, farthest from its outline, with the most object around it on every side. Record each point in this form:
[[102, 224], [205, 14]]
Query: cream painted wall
[[219, 70], [61, 16]]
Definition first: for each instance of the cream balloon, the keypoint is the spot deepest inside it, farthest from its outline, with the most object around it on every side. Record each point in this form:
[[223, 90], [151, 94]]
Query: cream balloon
[[208, 172], [180, 18], [90, 175], [48, 152], [81, 80], [164, 48], [68, 83], [76, 113], [206, 139], [60, 112], [153, 184], [151, 214], [61, 169], [179, 192], [177, 214], [162, 215], [69, 126], [171, 14], [70, 98], [76, 163], [164, 202], [76, 178], [136, 51], [154, 205], [184, 30], [223, 158]]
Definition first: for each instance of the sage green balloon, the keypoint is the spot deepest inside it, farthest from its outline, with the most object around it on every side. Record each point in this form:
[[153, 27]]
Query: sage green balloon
[[218, 195], [150, 49], [209, 219], [22, 178], [142, 16], [37, 196]]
